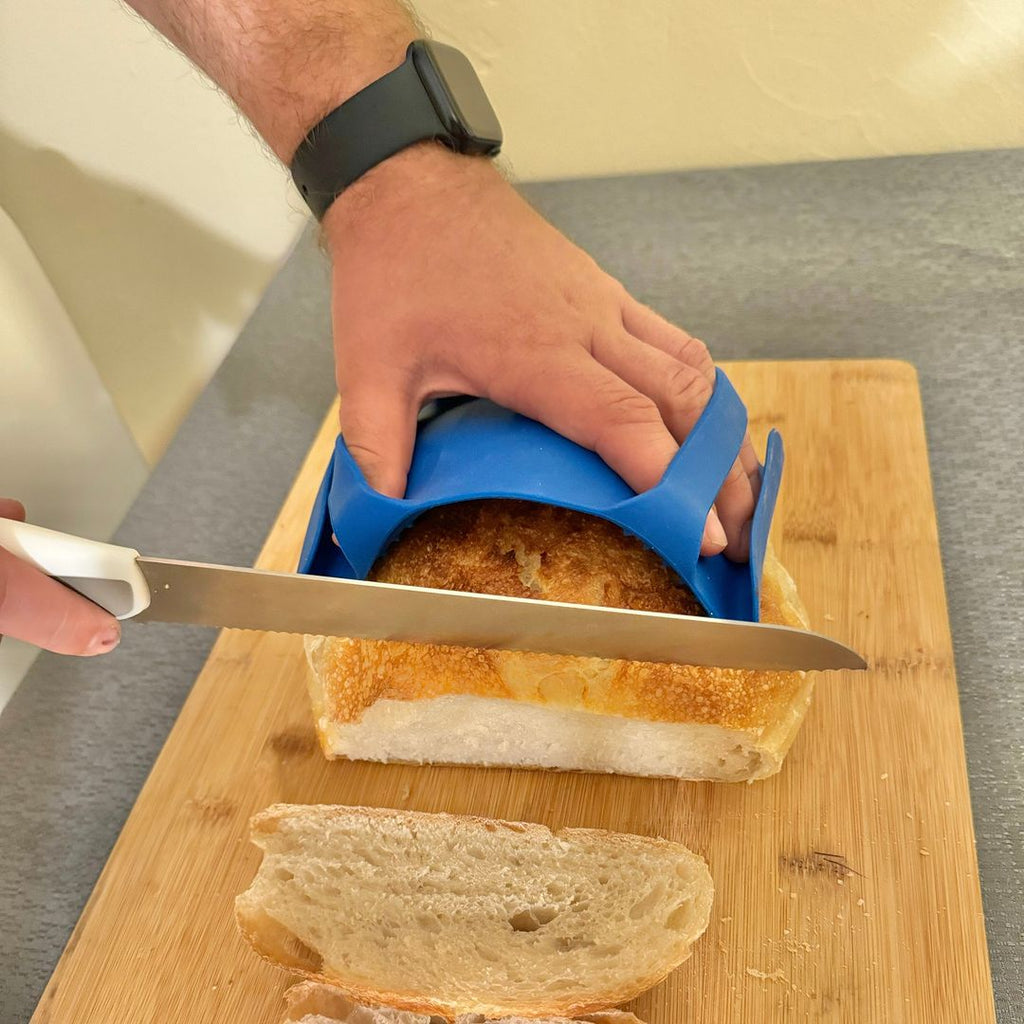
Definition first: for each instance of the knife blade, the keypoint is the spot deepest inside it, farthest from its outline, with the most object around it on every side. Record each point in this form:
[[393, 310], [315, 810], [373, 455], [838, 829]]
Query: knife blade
[[216, 595], [165, 590]]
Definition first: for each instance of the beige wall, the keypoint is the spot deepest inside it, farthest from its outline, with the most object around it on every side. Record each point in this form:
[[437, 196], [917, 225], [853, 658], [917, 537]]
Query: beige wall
[[159, 219], [154, 212], [589, 87]]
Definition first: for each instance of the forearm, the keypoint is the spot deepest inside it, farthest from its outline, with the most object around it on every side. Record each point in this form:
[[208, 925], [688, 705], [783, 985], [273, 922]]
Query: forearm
[[286, 63]]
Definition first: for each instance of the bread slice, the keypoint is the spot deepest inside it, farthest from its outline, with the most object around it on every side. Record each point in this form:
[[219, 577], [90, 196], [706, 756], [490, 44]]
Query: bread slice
[[390, 701], [448, 915], [312, 1003]]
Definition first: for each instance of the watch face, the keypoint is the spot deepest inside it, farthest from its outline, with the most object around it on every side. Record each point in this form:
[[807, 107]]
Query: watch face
[[458, 96]]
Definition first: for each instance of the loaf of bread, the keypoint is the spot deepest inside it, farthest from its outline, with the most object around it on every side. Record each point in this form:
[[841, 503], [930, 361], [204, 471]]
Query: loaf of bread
[[448, 915], [390, 701], [312, 1003]]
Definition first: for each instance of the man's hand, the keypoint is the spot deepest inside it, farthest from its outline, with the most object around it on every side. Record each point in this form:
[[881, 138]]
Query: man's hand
[[41, 611], [447, 282]]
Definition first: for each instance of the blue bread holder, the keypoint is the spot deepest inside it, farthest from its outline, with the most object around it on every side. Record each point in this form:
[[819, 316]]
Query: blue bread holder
[[476, 449]]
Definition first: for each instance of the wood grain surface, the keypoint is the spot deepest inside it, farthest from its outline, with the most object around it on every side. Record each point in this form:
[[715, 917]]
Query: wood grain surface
[[846, 886]]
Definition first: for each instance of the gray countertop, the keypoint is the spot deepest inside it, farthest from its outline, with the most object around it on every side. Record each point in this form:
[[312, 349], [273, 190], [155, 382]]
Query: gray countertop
[[918, 258]]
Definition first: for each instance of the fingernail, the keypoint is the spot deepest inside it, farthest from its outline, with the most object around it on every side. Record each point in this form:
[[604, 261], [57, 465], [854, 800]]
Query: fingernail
[[714, 534], [105, 640]]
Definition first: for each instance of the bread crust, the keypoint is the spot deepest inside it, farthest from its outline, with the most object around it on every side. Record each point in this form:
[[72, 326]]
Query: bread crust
[[312, 1000], [276, 944], [519, 549]]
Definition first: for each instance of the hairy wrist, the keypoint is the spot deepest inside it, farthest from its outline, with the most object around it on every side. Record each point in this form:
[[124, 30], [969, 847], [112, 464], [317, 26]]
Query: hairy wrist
[[286, 63], [427, 178]]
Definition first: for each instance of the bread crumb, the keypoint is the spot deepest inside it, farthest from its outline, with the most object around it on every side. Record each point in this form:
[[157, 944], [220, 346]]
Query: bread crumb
[[885, 775], [725, 920], [792, 895], [829, 618], [860, 902], [924, 852], [774, 976], [909, 815]]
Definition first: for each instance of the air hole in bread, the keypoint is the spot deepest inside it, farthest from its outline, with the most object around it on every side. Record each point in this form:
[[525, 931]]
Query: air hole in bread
[[295, 953], [372, 857], [428, 922], [680, 918], [557, 985], [486, 953], [533, 918], [644, 906], [283, 875]]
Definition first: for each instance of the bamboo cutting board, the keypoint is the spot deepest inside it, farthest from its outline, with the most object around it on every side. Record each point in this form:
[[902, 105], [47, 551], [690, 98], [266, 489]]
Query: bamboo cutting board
[[846, 886]]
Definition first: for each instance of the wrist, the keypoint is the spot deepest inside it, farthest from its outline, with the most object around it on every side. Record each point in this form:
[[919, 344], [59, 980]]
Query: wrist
[[286, 63], [428, 177], [290, 101]]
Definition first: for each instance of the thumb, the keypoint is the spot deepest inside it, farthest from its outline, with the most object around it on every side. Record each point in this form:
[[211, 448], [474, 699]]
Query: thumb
[[378, 422], [43, 612]]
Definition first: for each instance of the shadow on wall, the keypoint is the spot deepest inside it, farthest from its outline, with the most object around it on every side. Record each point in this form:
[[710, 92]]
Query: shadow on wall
[[156, 298]]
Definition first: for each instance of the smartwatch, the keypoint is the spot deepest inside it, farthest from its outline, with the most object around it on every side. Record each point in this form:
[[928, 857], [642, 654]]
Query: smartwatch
[[433, 94]]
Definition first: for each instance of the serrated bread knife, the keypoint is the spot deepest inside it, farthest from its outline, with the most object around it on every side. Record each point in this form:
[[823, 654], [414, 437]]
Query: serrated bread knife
[[162, 590]]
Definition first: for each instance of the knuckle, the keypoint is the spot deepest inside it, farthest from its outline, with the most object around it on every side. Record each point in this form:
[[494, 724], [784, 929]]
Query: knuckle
[[736, 476], [695, 353], [630, 407], [687, 387], [68, 633], [623, 409], [376, 465], [364, 454], [370, 459], [616, 289]]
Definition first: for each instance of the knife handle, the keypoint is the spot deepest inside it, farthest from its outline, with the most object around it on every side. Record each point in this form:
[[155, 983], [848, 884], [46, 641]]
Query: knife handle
[[105, 573]]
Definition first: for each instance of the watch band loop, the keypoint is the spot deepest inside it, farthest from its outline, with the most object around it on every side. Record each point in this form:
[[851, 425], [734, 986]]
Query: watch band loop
[[392, 113]]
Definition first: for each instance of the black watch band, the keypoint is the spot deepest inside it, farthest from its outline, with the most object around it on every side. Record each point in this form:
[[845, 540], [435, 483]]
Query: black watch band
[[414, 102]]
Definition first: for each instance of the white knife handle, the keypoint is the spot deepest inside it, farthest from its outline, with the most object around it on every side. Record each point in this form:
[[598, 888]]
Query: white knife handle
[[105, 573]]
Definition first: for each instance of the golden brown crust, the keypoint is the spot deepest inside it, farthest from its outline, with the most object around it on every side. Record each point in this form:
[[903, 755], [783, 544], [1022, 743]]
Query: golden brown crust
[[519, 549], [327, 1001]]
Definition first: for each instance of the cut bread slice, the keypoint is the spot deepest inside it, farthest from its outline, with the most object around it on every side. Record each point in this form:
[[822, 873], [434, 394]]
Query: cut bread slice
[[310, 1002], [378, 700], [448, 915]]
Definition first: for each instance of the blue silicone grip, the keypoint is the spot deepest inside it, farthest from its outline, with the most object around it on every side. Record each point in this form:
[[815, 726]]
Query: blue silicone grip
[[479, 450]]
